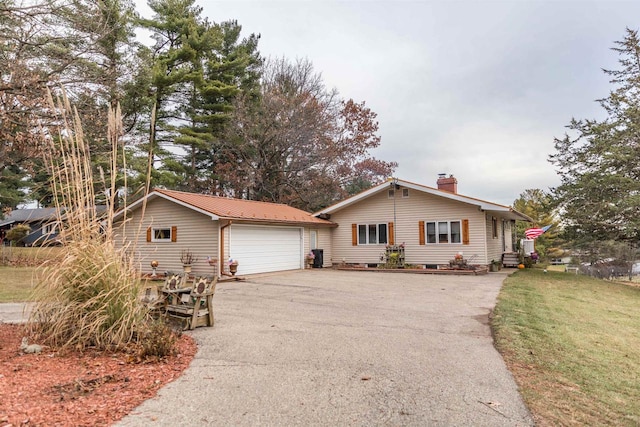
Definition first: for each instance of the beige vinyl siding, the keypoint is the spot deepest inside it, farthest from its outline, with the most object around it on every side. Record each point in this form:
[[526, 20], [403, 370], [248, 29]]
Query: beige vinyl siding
[[409, 211], [323, 242], [195, 231], [494, 244], [307, 241]]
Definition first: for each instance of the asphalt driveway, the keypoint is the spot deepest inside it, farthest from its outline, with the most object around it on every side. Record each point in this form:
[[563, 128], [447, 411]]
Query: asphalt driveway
[[331, 348]]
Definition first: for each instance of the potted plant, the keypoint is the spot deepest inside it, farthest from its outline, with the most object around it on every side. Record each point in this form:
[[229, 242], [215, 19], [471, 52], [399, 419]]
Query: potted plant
[[458, 261], [495, 265], [310, 258], [213, 262], [187, 258], [233, 266]]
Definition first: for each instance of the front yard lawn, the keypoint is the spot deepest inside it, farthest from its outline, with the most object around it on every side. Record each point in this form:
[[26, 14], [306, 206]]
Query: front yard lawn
[[572, 344], [16, 283]]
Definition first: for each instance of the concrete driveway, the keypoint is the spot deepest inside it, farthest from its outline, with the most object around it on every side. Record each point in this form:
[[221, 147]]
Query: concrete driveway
[[327, 348]]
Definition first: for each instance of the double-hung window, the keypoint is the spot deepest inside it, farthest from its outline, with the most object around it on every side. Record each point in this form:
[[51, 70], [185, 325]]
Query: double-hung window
[[372, 234], [443, 232]]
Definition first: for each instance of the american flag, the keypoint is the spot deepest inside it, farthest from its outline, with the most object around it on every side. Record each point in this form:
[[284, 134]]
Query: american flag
[[532, 233]]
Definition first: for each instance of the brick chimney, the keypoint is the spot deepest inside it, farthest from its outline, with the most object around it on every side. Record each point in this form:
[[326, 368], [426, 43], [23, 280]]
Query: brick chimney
[[447, 184]]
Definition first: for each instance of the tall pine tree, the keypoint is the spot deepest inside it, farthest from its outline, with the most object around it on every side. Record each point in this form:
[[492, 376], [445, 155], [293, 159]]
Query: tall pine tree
[[198, 69], [598, 160]]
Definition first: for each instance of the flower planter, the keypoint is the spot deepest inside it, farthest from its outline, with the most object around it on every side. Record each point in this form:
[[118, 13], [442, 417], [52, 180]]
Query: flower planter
[[394, 256], [233, 268]]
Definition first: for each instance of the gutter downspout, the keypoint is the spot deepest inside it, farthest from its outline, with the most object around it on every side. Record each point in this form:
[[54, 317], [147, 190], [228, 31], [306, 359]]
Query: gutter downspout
[[222, 272]]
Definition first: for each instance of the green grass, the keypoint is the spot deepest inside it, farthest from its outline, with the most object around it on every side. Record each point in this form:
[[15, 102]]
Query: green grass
[[572, 343], [16, 283]]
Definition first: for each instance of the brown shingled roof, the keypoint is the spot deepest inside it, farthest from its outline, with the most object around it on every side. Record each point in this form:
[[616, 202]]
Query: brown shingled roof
[[227, 208]]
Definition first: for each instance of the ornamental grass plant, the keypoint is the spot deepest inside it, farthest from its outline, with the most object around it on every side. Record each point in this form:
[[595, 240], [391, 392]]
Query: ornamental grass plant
[[89, 297]]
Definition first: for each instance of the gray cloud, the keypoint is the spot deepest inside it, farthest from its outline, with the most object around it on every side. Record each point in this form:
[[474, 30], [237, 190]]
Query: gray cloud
[[476, 89]]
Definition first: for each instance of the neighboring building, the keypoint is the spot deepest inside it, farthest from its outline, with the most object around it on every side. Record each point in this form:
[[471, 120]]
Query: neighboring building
[[43, 224], [561, 261], [262, 237], [434, 224]]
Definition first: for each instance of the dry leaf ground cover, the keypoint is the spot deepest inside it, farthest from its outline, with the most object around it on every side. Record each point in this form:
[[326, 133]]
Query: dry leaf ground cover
[[572, 344], [72, 389]]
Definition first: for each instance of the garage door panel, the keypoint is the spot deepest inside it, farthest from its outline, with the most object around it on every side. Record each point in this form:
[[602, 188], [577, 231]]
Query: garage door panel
[[265, 249]]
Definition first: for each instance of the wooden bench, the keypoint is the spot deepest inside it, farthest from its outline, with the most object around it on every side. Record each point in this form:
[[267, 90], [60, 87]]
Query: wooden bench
[[192, 306]]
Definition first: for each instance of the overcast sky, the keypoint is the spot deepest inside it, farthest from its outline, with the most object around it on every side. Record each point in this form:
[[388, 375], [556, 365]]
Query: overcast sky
[[471, 88]]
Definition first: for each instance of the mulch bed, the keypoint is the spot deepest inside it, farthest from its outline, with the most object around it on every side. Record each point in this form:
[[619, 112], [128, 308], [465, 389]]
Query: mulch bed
[[78, 389]]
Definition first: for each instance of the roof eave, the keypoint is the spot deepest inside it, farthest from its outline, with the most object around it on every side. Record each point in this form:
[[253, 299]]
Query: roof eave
[[136, 205], [510, 213], [278, 222], [351, 200], [482, 204], [380, 187]]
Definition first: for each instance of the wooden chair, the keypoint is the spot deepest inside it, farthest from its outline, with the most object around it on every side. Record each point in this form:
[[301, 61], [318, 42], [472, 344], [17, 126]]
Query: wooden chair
[[174, 286], [174, 281], [195, 308], [156, 299]]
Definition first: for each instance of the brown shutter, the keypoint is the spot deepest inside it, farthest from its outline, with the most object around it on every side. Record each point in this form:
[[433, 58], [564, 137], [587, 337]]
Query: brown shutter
[[174, 234], [392, 237], [421, 232], [465, 231], [354, 234], [149, 234]]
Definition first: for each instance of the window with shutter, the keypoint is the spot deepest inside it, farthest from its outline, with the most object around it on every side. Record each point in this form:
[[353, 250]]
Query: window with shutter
[[354, 234], [465, 231], [162, 234], [372, 234], [441, 232]]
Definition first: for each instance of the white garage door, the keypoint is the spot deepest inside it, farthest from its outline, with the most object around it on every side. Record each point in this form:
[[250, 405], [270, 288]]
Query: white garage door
[[265, 249]]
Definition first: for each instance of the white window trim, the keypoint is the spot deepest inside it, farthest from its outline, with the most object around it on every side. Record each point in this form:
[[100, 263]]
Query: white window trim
[[386, 226], [405, 191], [392, 193], [313, 239], [437, 242], [156, 240], [50, 228]]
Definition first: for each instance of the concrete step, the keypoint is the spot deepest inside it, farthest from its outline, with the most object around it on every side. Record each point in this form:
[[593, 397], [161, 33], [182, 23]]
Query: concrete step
[[510, 259]]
